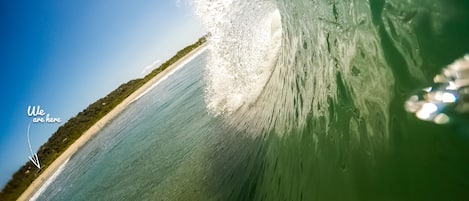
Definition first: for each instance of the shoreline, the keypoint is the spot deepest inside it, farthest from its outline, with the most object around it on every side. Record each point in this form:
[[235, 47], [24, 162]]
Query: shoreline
[[37, 184]]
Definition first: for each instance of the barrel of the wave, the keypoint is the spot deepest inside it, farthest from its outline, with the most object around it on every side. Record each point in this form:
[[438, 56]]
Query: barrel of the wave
[[332, 108]]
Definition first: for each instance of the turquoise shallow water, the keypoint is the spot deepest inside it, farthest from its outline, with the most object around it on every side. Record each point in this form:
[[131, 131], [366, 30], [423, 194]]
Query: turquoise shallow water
[[320, 117], [152, 150]]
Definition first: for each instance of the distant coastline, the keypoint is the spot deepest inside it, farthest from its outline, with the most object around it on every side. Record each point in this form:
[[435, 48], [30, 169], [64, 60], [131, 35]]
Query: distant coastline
[[76, 132]]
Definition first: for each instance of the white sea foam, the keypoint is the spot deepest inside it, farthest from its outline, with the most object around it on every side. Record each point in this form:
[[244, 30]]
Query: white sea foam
[[242, 55], [274, 64], [49, 181]]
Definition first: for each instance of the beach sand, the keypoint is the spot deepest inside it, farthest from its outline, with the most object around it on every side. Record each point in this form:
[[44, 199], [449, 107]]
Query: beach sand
[[36, 185]]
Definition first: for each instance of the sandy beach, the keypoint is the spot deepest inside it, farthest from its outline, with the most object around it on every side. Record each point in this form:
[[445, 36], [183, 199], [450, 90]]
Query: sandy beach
[[47, 173]]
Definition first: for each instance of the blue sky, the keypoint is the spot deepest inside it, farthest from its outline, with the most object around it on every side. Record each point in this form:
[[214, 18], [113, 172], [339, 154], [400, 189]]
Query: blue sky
[[64, 55]]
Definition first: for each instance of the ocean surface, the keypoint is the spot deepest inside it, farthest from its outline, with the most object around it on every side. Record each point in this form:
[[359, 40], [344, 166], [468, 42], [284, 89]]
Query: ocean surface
[[292, 100]]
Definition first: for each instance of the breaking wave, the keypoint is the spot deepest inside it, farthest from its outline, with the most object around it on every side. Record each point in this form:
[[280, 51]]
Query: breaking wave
[[274, 64]]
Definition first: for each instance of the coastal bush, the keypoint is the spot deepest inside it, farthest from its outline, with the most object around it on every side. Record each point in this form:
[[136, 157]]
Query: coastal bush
[[68, 133]]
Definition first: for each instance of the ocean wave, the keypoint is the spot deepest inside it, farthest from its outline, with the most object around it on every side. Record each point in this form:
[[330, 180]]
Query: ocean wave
[[274, 64], [49, 181]]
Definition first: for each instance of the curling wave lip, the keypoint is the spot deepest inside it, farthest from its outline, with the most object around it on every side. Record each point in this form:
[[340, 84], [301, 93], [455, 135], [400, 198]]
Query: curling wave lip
[[447, 98]]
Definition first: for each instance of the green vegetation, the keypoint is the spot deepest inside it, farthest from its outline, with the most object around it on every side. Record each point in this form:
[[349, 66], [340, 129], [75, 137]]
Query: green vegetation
[[68, 133]]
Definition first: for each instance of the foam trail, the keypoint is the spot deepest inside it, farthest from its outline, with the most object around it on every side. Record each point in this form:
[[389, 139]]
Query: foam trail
[[49, 181]]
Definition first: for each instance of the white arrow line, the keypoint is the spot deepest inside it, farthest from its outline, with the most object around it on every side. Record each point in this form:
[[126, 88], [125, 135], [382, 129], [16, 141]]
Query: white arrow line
[[33, 158]]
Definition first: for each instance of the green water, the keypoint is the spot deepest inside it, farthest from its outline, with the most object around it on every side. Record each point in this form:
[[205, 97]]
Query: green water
[[328, 123], [333, 106]]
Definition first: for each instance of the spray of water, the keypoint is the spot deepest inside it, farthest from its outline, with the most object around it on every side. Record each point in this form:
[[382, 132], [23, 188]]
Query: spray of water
[[245, 39], [275, 64]]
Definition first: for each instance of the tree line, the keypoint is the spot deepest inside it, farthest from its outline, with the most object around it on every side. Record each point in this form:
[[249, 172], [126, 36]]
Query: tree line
[[68, 133]]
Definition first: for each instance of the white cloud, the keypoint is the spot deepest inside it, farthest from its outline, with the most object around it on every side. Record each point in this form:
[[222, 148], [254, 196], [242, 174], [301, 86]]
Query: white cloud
[[150, 67]]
